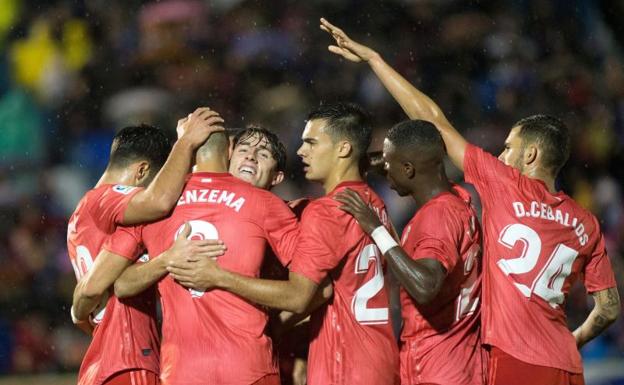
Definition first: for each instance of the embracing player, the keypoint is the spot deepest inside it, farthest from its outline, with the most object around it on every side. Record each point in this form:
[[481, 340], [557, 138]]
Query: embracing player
[[537, 240], [125, 339]]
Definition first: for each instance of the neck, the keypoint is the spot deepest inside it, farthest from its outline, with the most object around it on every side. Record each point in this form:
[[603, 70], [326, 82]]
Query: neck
[[545, 177], [339, 174], [428, 188], [112, 176], [212, 165]]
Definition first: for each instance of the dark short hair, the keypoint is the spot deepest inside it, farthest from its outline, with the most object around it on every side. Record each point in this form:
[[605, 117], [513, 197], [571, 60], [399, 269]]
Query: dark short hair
[[277, 148], [417, 133], [346, 121], [551, 135], [142, 142]]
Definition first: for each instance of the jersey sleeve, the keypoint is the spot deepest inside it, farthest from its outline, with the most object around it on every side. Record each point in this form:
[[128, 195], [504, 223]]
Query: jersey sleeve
[[598, 274], [437, 235], [281, 228], [126, 241], [486, 172], [319, 248], [111, 206]]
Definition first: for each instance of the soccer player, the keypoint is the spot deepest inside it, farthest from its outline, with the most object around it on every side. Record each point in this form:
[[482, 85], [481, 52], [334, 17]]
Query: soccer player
[[215, 337], [537, 240], [124, 338], [438, 264], [353, 342]]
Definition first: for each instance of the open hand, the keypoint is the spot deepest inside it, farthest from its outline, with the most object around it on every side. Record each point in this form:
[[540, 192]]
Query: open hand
[[354, 205], [199, 125], [202, 274], [346, 47]]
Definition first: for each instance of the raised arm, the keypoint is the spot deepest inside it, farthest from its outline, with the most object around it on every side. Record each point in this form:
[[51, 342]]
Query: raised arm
[[161, 195], [421, 278], [140, 276], [606, 309], [416, 104]]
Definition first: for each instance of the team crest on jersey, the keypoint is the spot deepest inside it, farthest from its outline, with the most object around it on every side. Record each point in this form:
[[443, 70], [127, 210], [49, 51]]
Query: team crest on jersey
[[122, 189]]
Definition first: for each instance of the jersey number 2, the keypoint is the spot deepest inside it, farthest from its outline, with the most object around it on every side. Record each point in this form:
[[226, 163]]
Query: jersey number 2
[[372, 287]]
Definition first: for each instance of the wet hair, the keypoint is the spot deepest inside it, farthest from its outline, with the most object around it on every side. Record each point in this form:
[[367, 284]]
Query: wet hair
[[276, 147], [417, 137], [551, 135], [346, 121], [136, 143]]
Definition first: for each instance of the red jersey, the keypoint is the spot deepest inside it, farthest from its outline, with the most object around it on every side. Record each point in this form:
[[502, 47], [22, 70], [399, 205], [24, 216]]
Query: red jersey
[[216, 337], [125, 335], [440, 340], [536, 245], [352, 338]]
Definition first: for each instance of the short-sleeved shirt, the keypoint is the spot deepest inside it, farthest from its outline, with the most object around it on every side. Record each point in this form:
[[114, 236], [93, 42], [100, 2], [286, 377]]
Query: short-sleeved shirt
[[352, 337], [536, 245], [440, 341], [216, 337], [125, 335]]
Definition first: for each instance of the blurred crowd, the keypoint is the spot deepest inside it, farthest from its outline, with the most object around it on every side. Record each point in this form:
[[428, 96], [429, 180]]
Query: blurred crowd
[[74, 71]]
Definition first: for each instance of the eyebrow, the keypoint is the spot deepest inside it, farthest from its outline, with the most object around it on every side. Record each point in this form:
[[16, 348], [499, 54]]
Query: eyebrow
[[309, 140], [262, 147]]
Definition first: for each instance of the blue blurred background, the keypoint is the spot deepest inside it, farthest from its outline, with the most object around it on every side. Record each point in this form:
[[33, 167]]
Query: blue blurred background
[[74, 71]]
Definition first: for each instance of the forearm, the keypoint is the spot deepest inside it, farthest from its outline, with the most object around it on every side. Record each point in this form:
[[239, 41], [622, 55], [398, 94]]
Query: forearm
[[605, 312], [164, 191], [418, 280], [324, 292], [275, 294], [139, 277], [417, 105], [83, 304]]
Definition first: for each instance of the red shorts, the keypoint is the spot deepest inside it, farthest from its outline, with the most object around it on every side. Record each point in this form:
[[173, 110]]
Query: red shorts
[[133, 377], [269, 379], [507, 370]]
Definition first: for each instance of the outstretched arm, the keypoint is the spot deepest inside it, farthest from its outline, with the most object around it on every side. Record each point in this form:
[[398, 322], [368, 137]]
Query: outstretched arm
[[422, 278], [161, 195], [416, 104], [606, 310]]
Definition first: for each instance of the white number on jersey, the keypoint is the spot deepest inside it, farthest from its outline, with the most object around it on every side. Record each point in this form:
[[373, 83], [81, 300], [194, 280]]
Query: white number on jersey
[[200, 230], [466, 302], [82, 264], [362, 313], [549, 281]]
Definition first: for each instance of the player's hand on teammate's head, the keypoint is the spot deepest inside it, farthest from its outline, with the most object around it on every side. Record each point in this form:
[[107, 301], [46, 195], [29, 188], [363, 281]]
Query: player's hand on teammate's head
[[345, 46], [199, 125], [189, 250], [201, 274], [355, 205]]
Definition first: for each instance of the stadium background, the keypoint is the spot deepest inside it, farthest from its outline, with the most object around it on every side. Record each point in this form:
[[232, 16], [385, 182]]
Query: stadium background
[[71, 72]]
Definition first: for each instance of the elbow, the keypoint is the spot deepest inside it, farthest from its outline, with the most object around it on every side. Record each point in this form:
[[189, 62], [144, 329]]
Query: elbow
[[425, 294], [612, 313], [297, 307], [121, 291], [90, 291]]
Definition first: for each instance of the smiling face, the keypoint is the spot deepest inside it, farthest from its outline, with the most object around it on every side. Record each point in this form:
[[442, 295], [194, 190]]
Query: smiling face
[[252, 161], [318, 151]]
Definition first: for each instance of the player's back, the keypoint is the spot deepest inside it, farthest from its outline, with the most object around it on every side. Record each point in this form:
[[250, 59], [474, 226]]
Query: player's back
[[352, 337], [217, 337], [536, 245], [125, 335], [440, 340]]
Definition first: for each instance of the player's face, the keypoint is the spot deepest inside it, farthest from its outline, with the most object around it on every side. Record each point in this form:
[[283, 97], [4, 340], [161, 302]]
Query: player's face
[[318, 152], [513, 152], [394, 168], [253, 162]]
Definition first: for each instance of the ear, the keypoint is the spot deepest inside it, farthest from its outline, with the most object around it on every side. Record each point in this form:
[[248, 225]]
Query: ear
[[231, 148], [277, 178], [345, 149], [530, 154], [409, 170], [142, 172]]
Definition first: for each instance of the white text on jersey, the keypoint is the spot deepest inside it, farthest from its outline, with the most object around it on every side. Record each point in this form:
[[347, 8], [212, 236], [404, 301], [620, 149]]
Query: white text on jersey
[[544, 211], [212, 196]]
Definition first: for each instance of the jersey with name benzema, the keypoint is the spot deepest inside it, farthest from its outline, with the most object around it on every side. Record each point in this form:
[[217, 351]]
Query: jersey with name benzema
[[536, 245], [216, 337], [352, 338], [125, 336]]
